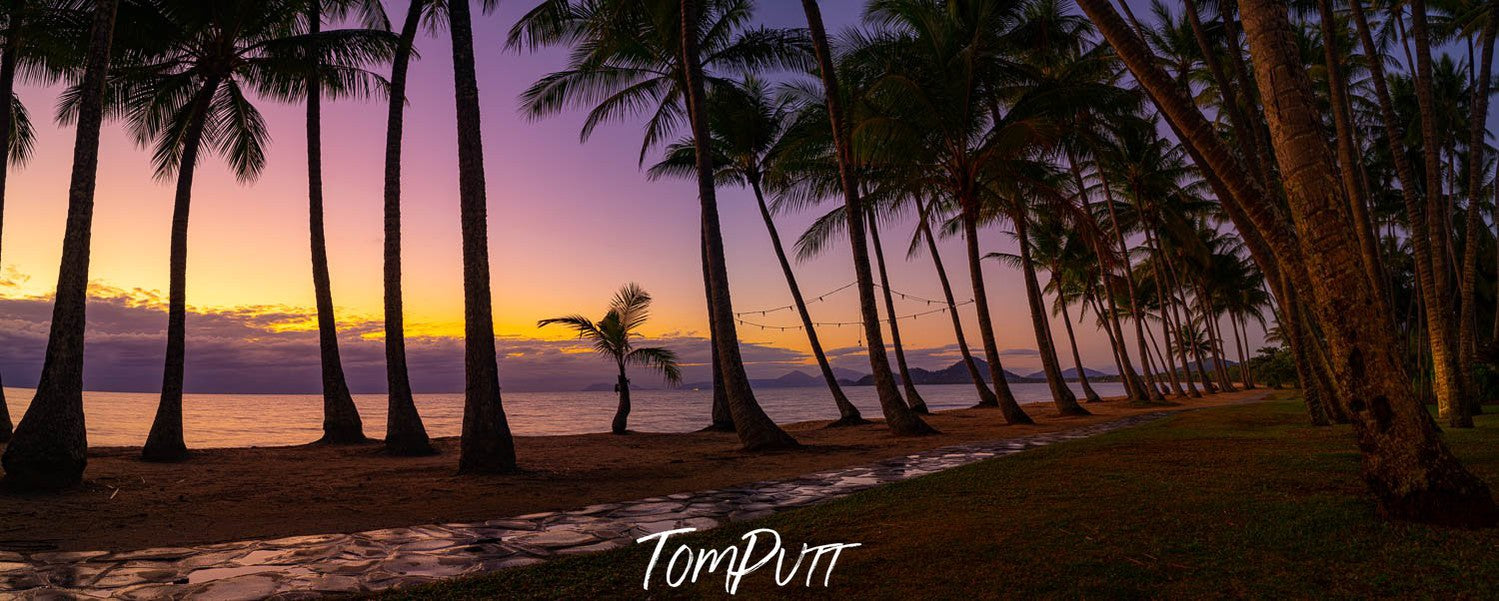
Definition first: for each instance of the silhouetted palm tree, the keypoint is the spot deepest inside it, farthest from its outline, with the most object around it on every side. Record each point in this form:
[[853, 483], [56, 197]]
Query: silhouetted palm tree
[[404, 432], [614, 337], [486, 445], [341, 423], [15, 123], [628, 61], [188, 90], [50, 445], [898, 416], [749, 141]]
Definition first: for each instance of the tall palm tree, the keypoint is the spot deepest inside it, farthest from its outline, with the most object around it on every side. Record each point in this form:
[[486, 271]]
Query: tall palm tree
[[15, 128], [628, 60], [404, 432], [755, 429], [1066, 258], [946, 71], [50, 445], [188, 90], [1450, 386], [614, 337], [486, 445], [341, 423], [1409, 469], [750, 143], [898, 416]]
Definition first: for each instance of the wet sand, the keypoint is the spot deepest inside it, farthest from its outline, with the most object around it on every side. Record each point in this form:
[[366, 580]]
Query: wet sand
[[234, 494]]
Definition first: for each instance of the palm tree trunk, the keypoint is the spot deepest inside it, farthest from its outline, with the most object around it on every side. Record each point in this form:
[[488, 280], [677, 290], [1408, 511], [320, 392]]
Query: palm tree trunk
[[1172, 301], [1168, 329], [1077, 359], [1152, 393], [50, 446], [722, 418], [7, 129], [622, 413], [848, 414], [1130, 391], [898, 417], [1433, 298], [341, 423], [1132, 386], [755, 428], [1408, 467], [913, 398], [1239, 346], [986, 396], [404, 432], [1448, 382], [486, 445], [1012, 411], [1468, 321], [1348, 158], [1215, 341], [165, 441], [1061, 395]]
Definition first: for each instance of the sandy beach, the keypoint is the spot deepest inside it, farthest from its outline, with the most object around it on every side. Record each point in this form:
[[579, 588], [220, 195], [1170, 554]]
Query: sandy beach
[[233, 494]]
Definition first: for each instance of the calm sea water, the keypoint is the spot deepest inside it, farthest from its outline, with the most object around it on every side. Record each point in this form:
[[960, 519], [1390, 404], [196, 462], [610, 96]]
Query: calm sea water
[[237, 420]]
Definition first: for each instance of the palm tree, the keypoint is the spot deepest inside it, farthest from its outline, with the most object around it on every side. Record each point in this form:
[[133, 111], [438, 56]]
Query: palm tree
[[755, 429], [613, 337], [404, 432], [341, 423], [946, 71], [15, 129], [50, 445], [1411, 471], [898, 416], [486, 445], [188, 90], [1065, 256], [628, 60], [749, 142], [924, 231]]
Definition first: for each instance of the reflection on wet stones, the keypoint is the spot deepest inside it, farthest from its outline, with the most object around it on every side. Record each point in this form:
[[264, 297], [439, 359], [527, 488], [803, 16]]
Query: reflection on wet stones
[[303, 566]]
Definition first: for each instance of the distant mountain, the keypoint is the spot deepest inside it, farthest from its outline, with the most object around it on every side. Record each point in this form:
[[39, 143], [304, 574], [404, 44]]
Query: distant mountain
[[791, 379], [1071, 374], [953, 374]]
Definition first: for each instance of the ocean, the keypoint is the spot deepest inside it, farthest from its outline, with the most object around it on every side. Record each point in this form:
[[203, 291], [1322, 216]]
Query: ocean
[[243, 420]]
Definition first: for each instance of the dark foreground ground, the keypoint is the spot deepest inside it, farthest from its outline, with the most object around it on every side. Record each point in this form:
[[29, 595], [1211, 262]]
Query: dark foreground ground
[[235, 494], [1240, 502]]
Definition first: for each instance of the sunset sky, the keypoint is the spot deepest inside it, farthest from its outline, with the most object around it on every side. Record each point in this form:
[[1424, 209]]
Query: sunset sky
[[569, 223]]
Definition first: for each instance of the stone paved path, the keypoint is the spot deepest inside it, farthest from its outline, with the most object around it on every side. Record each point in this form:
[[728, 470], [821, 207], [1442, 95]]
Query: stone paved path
[[311, 566]]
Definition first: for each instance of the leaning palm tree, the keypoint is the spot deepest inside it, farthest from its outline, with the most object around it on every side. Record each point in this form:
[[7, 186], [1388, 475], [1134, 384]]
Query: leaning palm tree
[[750, 144], [614, 337], [341, 423], [188, 90], [404, 432], [898, 416], [50, 445]]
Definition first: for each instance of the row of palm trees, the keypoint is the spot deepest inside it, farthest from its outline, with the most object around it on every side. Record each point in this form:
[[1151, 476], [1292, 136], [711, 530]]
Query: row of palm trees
[[966, 114]]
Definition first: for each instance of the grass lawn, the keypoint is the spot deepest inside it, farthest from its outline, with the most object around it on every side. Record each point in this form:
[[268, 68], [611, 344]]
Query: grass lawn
[[1244, 501]]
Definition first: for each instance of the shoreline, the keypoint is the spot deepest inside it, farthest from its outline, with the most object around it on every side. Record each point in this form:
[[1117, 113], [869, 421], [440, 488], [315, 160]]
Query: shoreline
[[264, 492]]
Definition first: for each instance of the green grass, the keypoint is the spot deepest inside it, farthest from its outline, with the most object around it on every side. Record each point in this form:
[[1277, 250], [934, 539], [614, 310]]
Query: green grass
[[1245, 502]]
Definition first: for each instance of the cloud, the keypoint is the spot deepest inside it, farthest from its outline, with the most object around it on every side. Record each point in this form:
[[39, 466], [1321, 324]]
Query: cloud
[[274, 349]]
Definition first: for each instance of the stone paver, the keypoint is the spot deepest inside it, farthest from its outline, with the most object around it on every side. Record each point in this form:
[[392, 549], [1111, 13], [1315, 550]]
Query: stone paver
[[310, 566]]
